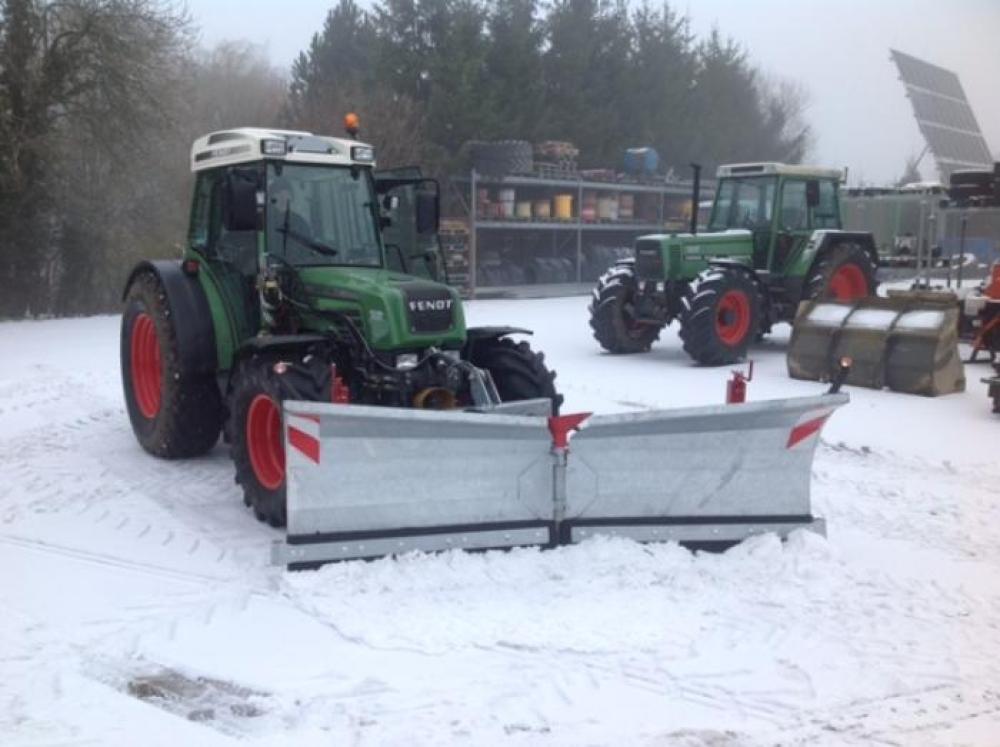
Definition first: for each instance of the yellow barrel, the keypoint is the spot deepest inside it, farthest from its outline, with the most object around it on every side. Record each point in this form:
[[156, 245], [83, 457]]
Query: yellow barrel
[[523, 209], [563, 206]]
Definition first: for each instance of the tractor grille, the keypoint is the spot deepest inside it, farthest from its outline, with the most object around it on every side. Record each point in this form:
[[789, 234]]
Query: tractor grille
[[429, 308], [649, 259]]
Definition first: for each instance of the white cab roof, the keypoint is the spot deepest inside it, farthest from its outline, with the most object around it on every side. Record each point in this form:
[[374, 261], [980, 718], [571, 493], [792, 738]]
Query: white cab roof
[[785, 169], [245, 145]]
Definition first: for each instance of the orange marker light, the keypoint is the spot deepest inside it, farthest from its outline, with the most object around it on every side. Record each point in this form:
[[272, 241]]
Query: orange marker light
[[352, 123]]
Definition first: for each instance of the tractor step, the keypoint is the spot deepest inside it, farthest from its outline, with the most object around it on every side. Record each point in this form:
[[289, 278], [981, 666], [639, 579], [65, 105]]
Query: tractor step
[[366, 482]]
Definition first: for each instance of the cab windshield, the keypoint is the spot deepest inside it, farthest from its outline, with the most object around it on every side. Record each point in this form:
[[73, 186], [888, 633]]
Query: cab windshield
[[322, 215], [744, 203]]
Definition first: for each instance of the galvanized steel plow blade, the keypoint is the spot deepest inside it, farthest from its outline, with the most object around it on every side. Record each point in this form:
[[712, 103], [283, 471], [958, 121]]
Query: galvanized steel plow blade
[[367, 481]]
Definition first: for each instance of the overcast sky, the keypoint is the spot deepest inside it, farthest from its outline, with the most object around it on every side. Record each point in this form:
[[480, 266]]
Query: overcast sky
[[837, 49]]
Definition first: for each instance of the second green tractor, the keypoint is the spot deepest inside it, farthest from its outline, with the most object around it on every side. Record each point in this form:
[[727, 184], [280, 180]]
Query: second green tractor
[[774, 238]]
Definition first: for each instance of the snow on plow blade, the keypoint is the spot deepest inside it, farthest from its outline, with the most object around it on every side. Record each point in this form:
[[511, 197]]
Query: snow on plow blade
[[907, 342], [365, 482]]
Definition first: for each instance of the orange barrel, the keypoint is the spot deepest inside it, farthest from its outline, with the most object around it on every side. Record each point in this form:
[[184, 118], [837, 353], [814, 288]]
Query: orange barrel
[[563, 207]]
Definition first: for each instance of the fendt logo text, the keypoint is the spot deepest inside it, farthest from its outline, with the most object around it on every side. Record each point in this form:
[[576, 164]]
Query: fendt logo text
[[443, 304]]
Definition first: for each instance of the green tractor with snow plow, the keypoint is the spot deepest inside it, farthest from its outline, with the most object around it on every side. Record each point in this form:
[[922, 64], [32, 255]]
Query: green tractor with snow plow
[[774, 238], [307, 275]]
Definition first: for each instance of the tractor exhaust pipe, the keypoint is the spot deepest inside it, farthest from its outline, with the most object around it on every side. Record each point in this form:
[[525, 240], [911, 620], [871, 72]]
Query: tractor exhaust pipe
[[695, 197]]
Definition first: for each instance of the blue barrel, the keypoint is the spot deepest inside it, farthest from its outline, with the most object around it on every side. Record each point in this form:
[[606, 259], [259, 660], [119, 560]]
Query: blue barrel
[[641, 160]]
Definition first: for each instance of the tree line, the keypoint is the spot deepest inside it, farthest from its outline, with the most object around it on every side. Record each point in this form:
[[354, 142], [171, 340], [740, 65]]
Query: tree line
[[101, 99]]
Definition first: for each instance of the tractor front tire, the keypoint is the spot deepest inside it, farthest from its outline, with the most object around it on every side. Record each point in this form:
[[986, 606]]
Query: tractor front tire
[[174, 415], [254, 429], [720, 317], [846, 274], [518, 372], [612, 313]]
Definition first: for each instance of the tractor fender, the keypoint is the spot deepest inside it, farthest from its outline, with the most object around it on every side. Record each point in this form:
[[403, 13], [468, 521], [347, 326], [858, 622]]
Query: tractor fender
[[190, 313]]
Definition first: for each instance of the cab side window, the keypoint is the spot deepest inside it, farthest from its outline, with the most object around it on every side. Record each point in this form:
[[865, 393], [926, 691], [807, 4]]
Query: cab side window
[[201, 209], [794, 207], [826, 213]]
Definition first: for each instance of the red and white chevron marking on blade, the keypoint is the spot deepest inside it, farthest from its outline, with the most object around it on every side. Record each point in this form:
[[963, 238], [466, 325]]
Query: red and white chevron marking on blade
[[808, 425], [303, 435]]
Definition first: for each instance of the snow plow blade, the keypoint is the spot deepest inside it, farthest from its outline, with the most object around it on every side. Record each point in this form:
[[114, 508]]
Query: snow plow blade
[[907, 342], [365, 482]]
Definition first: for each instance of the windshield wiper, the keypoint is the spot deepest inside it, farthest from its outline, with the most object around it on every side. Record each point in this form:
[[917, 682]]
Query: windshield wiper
[[317, 246]]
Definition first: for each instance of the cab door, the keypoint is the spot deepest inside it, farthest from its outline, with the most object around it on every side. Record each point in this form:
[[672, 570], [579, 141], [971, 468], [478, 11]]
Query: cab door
[[231, 256], [793, 227], [408, 206]]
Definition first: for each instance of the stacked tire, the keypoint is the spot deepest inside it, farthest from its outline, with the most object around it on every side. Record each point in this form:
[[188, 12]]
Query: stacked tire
[[501, 157]]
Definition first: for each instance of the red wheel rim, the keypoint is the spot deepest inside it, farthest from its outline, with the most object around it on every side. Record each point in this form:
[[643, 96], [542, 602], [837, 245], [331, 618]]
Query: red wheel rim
[[732, 319], [147, 368], [267, 456], [848, 283]]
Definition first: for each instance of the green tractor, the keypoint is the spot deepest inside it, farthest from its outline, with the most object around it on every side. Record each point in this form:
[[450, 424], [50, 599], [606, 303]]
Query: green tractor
[[774, 239], [307, 275]]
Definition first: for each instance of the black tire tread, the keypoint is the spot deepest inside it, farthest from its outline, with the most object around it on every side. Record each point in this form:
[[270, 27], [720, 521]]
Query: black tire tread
[[306, 380], [818, 284], [699, 311], [609, 296], [518, 372], [191, 414]]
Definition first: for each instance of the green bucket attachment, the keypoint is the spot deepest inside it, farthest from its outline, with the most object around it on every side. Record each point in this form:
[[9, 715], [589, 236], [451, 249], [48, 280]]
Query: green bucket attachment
[[907, 342]]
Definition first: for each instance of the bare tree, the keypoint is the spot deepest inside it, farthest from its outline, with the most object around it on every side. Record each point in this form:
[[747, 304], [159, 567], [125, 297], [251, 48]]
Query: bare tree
[[83, 83]]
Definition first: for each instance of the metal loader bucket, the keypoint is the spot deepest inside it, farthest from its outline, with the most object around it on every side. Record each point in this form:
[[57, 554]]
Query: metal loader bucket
[[908, 342], [370, 481]]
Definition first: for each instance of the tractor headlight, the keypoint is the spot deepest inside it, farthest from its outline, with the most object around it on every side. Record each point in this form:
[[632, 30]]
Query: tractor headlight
[[273, 147], [406, 361], [363, 153]]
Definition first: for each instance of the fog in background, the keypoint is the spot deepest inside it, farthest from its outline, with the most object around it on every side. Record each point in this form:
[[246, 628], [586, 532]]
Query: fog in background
[[837, 49]]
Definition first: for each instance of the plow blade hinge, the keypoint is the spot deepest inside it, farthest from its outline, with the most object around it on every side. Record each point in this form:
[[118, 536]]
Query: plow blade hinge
[[907, 342], [700, 475]]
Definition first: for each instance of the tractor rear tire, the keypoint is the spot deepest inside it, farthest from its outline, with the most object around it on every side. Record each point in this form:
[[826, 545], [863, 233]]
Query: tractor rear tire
[[254, 428], [720, 317], [518, 372], [846, 273], [174, 415], [612, 313]]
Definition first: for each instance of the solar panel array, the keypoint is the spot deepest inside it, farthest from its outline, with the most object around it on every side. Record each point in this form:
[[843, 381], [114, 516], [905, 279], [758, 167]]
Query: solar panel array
[[943, 115]]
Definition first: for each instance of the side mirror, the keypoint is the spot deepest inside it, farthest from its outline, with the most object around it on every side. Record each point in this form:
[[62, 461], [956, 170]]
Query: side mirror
[[427, 213], [812, 193], [239, 202]]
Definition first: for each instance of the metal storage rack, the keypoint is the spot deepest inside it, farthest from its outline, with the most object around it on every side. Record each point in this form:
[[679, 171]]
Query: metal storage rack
[[575, 229]]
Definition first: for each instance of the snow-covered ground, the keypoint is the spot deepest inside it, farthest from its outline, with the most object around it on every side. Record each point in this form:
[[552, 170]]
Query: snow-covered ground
[[138, 606]]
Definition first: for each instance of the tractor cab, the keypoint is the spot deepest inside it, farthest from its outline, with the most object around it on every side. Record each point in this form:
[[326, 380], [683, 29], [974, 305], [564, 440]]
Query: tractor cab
[[781, 205], [291, 225]]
